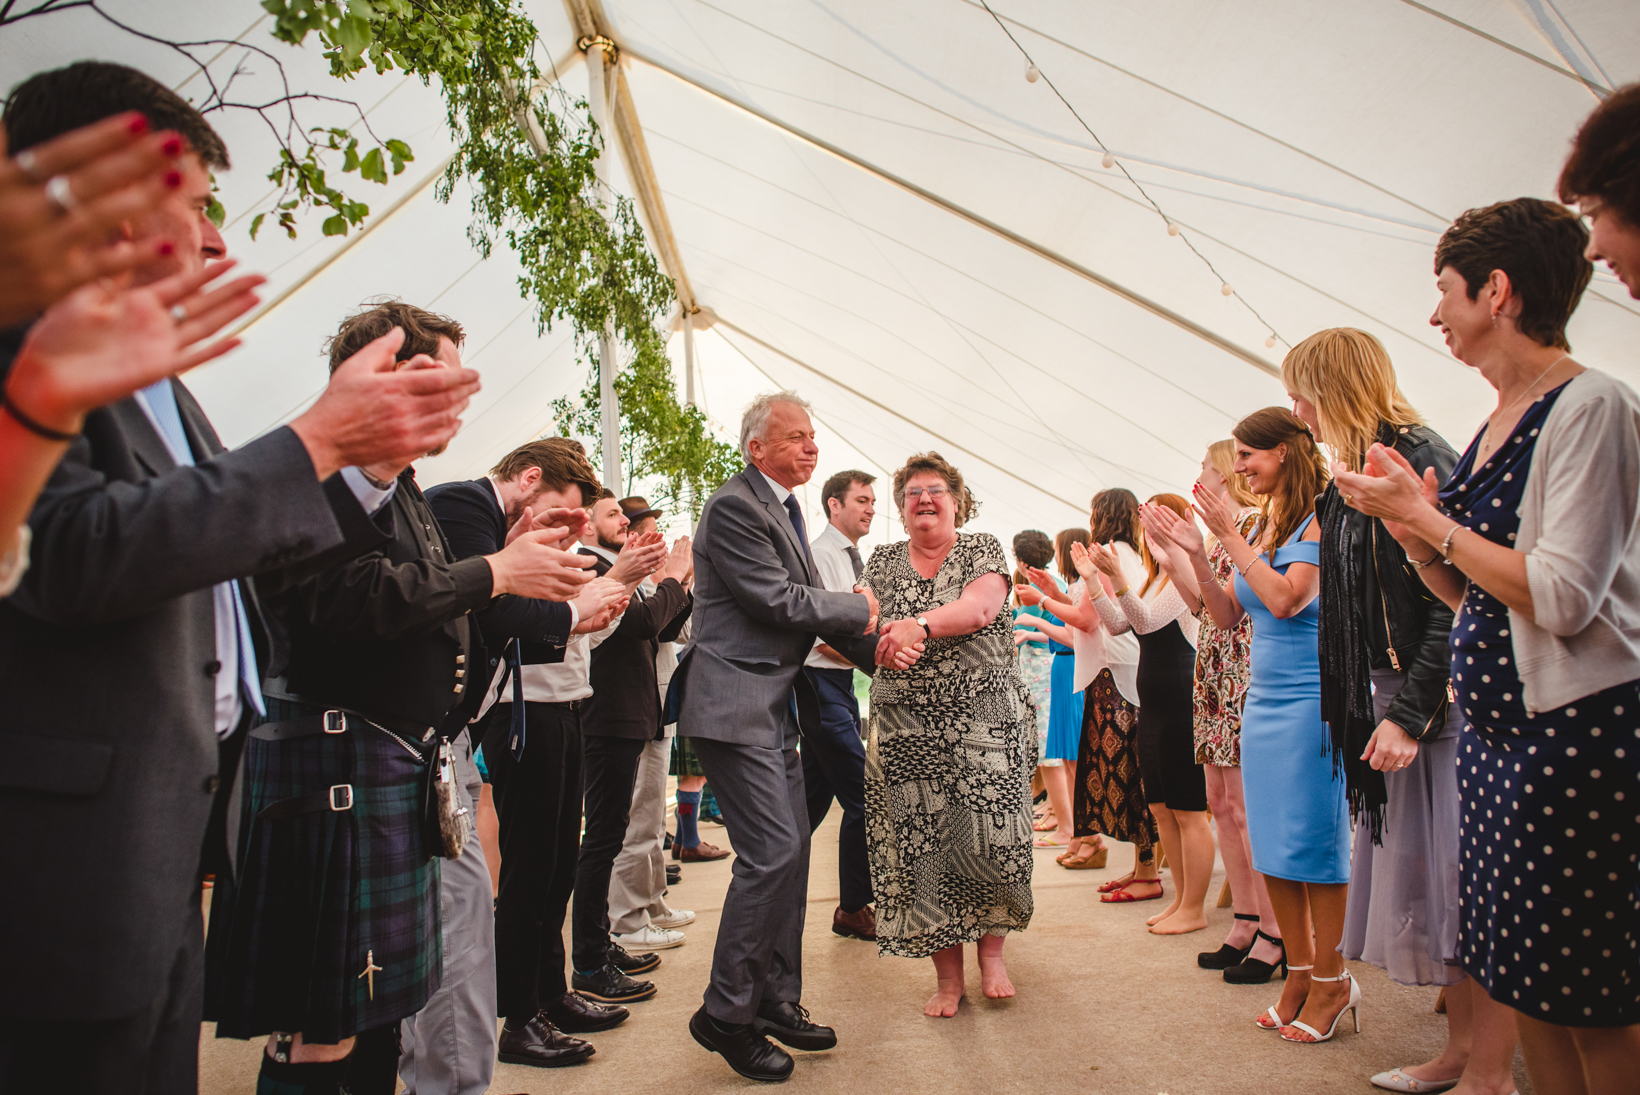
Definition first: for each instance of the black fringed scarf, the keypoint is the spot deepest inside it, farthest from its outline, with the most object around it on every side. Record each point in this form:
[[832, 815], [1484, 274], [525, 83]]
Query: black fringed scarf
[[1346, 667]]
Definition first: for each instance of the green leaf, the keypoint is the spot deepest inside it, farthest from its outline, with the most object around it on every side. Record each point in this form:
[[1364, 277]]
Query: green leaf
[[335, 226], [371, 167], [256, 224]]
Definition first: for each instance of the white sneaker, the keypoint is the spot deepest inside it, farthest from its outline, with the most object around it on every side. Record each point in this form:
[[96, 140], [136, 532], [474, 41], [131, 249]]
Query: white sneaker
[[673, 918], [649, 938]]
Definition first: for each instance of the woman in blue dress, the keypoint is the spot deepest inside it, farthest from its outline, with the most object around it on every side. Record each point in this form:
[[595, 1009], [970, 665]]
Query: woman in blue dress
[[1535, 542], [1297, 820]]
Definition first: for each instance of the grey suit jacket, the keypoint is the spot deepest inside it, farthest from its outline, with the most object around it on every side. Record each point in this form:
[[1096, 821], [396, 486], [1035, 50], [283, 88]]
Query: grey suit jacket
[[758, 609], [107, 693]]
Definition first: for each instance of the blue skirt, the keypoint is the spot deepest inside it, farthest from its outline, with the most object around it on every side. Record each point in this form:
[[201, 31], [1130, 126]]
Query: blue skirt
[[1064, 710]]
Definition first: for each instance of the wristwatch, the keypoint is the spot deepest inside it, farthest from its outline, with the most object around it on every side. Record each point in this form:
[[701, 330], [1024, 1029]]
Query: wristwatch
[[922, 622]]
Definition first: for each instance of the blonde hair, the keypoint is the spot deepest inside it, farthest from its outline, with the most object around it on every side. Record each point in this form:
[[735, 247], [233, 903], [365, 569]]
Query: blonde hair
[[1346, 375], [1221, 456]]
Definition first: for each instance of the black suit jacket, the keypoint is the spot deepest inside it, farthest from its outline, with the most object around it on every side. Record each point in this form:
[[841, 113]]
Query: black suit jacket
[[107, 692], [474, 524], [388, 634], [626, 700]]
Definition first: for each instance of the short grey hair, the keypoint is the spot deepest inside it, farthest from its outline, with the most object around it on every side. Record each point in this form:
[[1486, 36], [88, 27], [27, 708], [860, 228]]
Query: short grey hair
[[755, 419]]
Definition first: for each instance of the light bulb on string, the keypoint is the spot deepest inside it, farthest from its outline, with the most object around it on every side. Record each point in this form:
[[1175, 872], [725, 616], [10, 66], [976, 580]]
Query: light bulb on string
[[1108, 161], [1225, 289], [1270, 342], [1032, 74], [1172, 229]]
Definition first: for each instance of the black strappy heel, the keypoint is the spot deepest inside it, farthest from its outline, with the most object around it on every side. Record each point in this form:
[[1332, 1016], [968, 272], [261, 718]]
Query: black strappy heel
[[1256, 971], [1227, 956]]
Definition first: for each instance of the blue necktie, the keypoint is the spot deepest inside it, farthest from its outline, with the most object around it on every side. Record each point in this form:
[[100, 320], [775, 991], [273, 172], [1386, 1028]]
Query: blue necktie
[[796, 512], [162, 403]]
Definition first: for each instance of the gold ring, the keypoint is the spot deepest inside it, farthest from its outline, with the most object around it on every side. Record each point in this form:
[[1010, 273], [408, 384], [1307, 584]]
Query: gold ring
[[1349, 499]]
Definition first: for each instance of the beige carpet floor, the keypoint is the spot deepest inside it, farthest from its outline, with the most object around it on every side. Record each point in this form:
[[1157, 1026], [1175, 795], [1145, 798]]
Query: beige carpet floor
[[1103, 1006]]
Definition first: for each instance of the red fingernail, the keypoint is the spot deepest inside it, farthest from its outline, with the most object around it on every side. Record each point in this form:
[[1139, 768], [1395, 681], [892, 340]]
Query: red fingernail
[[173, 179], [167, 248], [171, 146], [138, 125]]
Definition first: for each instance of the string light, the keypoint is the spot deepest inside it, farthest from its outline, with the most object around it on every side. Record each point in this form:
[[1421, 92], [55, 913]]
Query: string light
[[1270, 342], [1108, 160]]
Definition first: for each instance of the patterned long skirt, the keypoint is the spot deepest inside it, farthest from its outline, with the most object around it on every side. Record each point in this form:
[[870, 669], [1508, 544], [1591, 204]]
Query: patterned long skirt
[[1110, 798], [1036, 668], [333, 927]]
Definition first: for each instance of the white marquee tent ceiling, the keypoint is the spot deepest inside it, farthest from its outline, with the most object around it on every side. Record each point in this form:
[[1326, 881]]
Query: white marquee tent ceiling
[[886, 215]]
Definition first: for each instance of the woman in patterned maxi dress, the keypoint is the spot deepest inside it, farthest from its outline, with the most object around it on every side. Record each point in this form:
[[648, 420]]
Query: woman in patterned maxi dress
[[951, 743]]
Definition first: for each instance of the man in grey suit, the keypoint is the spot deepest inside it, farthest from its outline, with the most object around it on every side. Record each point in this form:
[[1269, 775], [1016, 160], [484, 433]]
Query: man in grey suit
[[759, 605]]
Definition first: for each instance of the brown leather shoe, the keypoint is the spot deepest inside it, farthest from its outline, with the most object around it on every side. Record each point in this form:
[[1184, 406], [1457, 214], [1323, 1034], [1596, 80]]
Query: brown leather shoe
[[861, 924], [700, 853], [541, 1044]]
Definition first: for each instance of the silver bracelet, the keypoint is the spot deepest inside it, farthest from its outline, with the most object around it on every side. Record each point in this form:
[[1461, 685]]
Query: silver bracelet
[[1446, 544], [1251, 563]]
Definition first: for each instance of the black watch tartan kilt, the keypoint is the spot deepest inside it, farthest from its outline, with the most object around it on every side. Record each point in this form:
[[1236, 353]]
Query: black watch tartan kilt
[[321, 896], [684, 760]]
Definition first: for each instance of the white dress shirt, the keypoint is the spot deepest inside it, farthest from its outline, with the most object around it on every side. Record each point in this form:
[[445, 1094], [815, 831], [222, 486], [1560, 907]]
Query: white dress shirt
[[830, 550]]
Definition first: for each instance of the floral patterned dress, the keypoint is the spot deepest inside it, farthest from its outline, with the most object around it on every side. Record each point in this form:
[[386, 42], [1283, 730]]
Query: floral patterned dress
[[1221, 668], [949, 755]]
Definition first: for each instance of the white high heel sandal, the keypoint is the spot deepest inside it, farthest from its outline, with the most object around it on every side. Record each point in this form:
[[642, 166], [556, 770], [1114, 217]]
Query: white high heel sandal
[[1275, 1022], [1317, 1036]]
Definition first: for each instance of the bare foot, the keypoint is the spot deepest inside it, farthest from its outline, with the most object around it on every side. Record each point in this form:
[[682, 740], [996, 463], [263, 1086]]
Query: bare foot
[[1178, 924], [1164, 914], [993, 976], [943, 1004]]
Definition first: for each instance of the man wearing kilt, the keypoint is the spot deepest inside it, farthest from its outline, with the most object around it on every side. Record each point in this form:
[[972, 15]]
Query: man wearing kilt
[[330, 934]]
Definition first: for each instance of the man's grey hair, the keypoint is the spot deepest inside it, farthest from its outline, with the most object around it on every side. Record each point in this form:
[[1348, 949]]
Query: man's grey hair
[[755, 420]]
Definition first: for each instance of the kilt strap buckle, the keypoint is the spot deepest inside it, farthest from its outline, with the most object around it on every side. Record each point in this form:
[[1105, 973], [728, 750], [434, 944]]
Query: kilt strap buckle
[[335, 722], [336, 799]]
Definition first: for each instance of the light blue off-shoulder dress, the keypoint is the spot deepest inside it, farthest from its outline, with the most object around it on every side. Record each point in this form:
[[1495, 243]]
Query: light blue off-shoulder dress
[[1297, 819]]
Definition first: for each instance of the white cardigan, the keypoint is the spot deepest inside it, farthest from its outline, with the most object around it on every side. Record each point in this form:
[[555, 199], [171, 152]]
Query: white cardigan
[[1580, 531]]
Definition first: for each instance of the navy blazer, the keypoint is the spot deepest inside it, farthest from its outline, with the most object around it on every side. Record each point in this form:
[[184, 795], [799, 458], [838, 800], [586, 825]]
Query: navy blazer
[[474, 523]]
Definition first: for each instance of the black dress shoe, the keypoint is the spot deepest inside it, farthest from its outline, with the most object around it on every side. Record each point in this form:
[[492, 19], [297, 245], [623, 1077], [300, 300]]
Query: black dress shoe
[[745, 1050], [1256, 971], [674, 874], [541, 1044], [573, 1013], [632, 963], [788, 1022], [611, 986]]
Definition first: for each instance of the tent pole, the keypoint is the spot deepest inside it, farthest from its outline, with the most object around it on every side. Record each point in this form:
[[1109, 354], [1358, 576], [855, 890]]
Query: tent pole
[[608, 402], [689, 398]]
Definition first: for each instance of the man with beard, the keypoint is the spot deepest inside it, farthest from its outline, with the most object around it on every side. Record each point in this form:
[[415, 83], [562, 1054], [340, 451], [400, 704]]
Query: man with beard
[[623, 715]]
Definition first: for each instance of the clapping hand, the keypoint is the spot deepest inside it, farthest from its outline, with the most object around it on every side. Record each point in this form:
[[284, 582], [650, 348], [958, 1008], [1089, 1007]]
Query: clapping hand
[[101, 343], [1028, 595], [60, 202], [1215, 513], [1165, 527], [640, 556], [1102, 556], [681, 560], [599, 602], [534, 565], [1389, 488], [1044, 583]]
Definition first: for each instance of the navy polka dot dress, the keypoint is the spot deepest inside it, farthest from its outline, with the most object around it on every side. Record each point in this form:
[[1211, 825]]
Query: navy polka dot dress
[[1550, 916]]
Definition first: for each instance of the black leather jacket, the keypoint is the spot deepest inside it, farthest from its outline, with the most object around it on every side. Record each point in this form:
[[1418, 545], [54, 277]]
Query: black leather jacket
[[1406, 626]]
